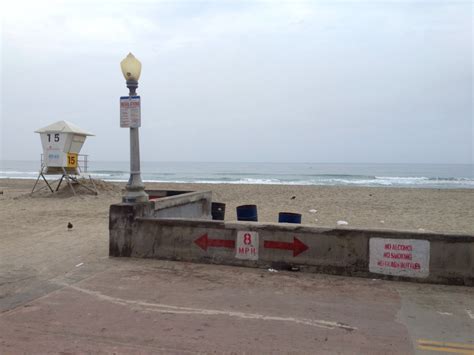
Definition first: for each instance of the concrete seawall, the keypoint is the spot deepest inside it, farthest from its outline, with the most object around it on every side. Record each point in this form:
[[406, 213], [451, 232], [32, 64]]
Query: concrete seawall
[[135, 231]]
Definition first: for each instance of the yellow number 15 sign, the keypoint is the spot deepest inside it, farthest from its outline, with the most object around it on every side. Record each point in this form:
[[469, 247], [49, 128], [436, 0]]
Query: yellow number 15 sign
[[72, 160]]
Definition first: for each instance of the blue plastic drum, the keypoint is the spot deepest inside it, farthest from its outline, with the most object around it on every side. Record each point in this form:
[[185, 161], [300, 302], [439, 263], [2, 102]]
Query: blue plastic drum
[[247, 213], [288, 217]]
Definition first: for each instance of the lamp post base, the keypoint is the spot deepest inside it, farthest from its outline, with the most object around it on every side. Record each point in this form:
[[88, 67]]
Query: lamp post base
[[135, 190], [135, 196]]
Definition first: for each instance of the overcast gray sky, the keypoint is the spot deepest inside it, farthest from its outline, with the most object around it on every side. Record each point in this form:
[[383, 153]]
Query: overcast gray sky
[[319, 81]]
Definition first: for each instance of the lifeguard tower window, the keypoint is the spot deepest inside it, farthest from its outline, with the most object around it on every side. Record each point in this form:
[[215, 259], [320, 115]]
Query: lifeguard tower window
[[62, 141]]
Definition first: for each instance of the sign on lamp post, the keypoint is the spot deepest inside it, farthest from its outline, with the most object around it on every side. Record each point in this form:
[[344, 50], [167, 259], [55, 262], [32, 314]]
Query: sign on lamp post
[[130, 115]]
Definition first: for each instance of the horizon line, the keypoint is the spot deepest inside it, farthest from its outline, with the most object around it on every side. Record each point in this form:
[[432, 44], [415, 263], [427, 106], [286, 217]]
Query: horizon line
[[254, 162]]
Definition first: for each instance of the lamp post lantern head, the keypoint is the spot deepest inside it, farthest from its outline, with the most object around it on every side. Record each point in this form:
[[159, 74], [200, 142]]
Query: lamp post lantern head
[[131, 67], [131, 70]]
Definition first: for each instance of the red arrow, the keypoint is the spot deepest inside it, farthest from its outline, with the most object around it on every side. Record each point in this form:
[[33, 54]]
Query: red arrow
[[297, 246], [204, 242]]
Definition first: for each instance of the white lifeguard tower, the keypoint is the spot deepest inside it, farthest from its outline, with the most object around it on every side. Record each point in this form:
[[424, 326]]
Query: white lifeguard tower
[[62, 141]]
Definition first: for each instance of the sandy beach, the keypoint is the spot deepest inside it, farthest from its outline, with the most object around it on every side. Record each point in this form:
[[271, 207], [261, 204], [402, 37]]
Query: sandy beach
[[433, 210]]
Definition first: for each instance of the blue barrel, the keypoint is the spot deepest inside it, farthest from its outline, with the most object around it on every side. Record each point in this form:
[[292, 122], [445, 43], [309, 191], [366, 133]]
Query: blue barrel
[[218, 211], [288, 217], [247, 213]]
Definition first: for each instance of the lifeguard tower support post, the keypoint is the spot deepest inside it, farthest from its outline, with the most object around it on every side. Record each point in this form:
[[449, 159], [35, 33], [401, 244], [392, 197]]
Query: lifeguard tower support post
[[62, 141]]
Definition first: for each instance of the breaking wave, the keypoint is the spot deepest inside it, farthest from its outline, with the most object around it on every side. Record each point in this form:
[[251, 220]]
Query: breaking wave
[[215, 175]]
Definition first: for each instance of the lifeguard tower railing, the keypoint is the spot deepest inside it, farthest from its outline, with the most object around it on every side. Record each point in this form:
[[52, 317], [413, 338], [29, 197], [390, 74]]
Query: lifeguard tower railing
[[82, 166]]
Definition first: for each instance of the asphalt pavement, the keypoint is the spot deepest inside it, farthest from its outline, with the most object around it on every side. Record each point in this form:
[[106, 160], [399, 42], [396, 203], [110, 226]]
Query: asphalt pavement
[[151, 306]]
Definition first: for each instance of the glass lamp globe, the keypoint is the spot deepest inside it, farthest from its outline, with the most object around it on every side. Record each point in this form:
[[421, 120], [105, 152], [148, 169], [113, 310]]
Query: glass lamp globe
[[131, 67]]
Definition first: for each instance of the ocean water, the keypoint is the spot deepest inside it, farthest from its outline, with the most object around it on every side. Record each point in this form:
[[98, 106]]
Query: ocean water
[[395, 175]]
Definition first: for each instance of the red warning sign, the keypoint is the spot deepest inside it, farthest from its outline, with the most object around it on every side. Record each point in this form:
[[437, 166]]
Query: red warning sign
[[400, 257]]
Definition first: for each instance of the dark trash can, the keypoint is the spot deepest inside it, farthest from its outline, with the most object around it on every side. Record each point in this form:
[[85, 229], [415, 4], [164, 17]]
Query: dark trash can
[[288, 217], [218, 211], [247, 213]]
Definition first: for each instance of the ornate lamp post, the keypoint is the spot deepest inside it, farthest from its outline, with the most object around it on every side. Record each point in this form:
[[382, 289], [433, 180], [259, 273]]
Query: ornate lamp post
[[135, 190]]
